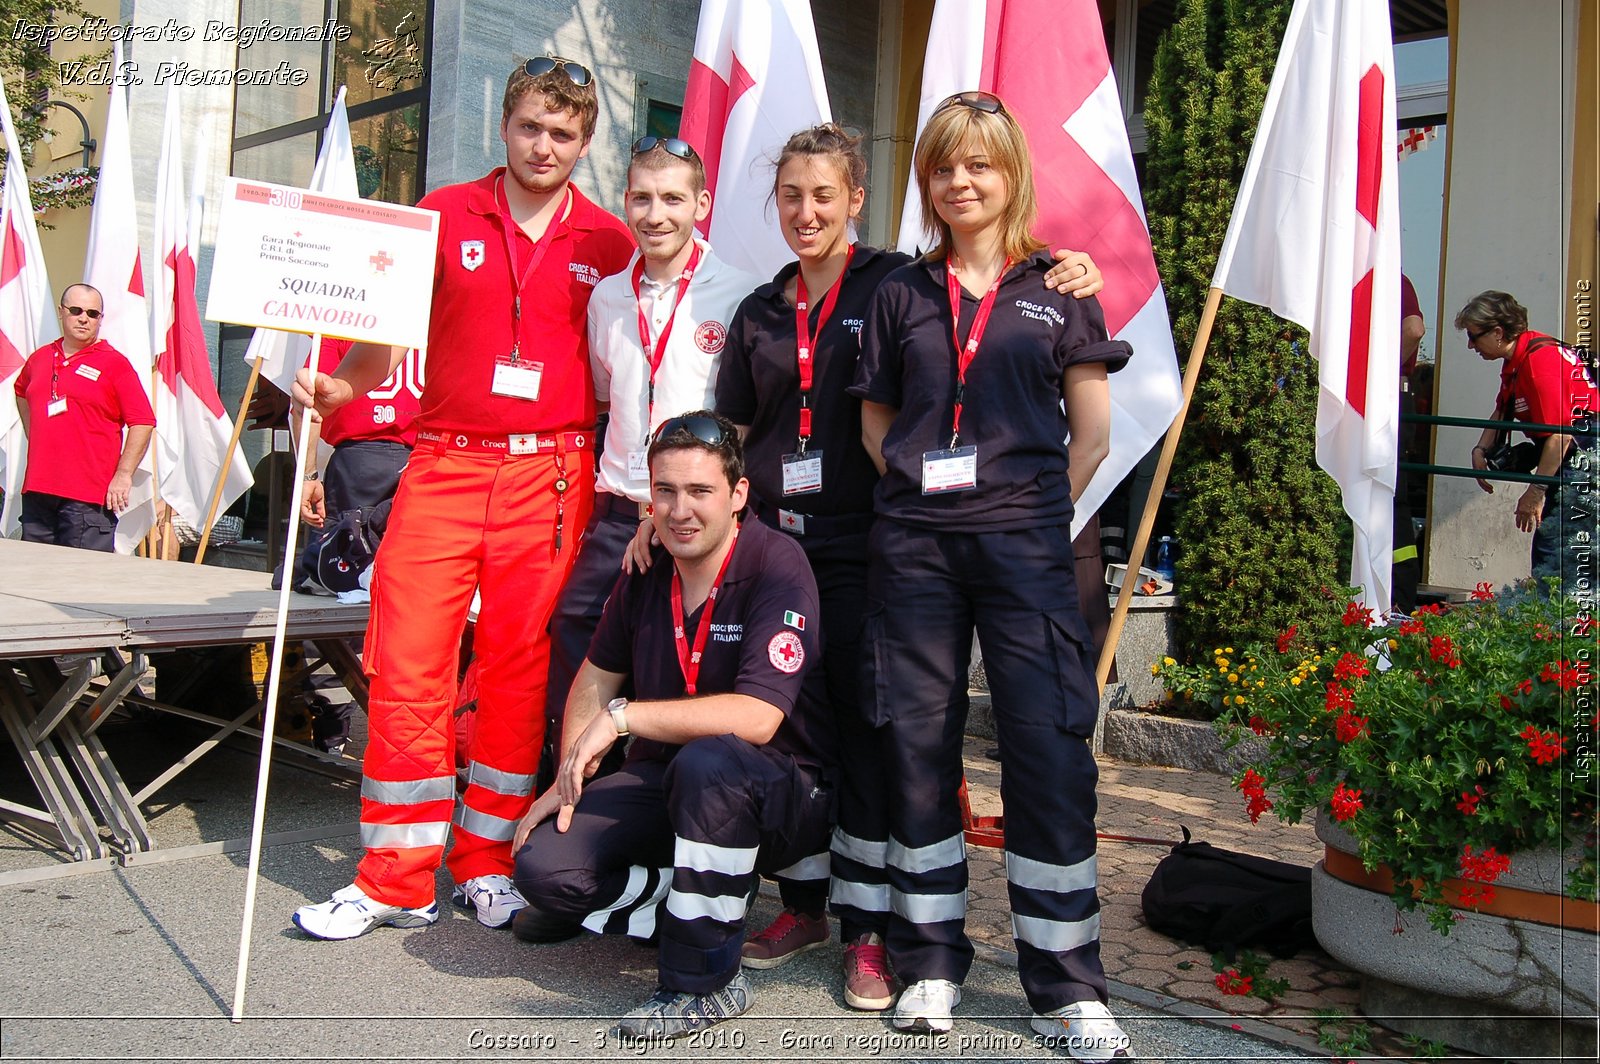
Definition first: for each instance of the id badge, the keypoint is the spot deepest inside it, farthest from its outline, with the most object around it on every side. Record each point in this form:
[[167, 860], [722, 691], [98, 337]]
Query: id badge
[[802, 473], [952, 469], [519, 380], [638, 465], [57, 406]]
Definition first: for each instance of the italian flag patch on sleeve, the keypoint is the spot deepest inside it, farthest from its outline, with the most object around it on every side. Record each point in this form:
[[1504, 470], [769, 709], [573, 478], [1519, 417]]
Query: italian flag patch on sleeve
[[794, 620]]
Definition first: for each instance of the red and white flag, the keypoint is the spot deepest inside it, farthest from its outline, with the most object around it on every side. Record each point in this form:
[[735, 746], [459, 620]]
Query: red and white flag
[[1315, 237], [756, 79], [115, 268], [27, 313], [1047, 60], [193, 429], [282, 354]]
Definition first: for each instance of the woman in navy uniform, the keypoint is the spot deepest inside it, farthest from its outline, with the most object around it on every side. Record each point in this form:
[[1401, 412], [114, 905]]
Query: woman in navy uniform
[[790, 357], [972, 374]]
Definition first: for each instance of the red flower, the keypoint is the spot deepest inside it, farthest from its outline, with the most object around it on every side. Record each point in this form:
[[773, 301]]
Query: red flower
[[1505, 703], [1348, 666], [1565, 674], [1254, 789], [1473, 897], [1541, 631], [1413, 627], [1433, 607], [1469, 802], [1260, 726], [1231, 982], [1345, 803], [1339, 699], [1443, 650], [1525, 687], [1544, 747], [1349, 727], [1356, 613], [1485, 867], [1484, 592], [1286, 638]]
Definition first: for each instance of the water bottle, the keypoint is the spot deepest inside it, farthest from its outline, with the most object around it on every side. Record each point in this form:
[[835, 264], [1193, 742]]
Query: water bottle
[[1164, 559]]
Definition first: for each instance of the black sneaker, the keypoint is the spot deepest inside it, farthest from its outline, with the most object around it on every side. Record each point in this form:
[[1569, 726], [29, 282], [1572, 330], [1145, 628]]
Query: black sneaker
[[671, 1013], [531, 925]]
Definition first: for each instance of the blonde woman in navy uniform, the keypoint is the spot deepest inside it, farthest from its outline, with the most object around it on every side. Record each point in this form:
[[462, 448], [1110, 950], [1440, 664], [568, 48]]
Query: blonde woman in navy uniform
[[971, 376], [790, 358]]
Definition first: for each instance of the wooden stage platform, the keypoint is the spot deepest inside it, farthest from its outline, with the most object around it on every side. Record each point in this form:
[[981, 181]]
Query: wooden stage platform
[[65, 613]]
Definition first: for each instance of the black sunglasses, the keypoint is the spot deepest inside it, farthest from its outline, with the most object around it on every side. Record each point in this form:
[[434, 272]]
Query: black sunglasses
[[540, 65], [702, 428], [671, 145], [92, 315], [987, 102], [1474, 337]]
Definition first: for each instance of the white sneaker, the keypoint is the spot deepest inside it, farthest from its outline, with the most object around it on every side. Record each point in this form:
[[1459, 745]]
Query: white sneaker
[[926, 1004], [495, 897], [1087, 1030], [350, 913]]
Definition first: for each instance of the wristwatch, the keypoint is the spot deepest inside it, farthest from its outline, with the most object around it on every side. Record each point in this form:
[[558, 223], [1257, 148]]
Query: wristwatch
[[313, 475], [617, 707]]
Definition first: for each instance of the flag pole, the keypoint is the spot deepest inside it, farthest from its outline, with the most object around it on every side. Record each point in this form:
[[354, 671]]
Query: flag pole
[[269, 716], [1147, 520], [227, 460]]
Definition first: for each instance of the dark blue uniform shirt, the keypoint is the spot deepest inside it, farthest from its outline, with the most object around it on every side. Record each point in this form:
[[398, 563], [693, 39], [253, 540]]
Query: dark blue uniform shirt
[[1013, 411], [765, 641], [759, 386]]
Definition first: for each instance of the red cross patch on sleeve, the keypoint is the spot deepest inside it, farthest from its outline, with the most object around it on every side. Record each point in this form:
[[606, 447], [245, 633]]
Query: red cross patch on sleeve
[[786, 652]]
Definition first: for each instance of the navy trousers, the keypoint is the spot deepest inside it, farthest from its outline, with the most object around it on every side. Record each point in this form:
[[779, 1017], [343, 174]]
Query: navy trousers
[[859, 888], [67, 522], [929, 591], [697, 831]]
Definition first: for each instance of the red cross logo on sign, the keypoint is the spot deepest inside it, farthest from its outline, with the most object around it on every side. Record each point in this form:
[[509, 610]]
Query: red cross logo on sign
[[381, 261]]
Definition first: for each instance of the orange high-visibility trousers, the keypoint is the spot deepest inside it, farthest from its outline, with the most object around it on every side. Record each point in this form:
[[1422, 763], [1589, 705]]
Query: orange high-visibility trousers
[[462, 520]]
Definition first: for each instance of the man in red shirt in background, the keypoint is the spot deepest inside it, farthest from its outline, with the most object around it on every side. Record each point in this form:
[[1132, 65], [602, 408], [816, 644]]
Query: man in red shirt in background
[[77, 395], [498, 489]]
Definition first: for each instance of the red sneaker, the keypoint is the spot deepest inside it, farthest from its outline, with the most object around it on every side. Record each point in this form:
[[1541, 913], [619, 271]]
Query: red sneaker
[[790, 935], [868, 980]]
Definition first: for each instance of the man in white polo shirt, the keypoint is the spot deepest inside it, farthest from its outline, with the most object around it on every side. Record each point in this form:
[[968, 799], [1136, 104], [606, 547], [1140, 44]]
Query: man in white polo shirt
[[656, 332]]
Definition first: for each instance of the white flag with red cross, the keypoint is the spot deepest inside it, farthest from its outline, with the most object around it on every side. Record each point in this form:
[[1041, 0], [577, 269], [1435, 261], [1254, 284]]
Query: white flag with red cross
[[193, 429], [114, 266], [1047, 60], [756, 79], [1315, 237], [27, 313]]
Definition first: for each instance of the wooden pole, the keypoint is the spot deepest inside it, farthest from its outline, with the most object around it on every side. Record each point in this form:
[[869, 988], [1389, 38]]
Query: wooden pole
[[269, 716], [227, 460], [1147, 521]]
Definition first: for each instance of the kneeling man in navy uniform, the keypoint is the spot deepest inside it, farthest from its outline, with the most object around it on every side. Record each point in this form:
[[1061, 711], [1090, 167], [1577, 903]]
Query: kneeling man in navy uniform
[[727, 774]]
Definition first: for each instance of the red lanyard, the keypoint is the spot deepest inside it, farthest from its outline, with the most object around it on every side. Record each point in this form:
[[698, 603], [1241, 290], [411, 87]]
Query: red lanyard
[[965, 355], [659, 352], [802, 337], [539, 249], [689, 660]]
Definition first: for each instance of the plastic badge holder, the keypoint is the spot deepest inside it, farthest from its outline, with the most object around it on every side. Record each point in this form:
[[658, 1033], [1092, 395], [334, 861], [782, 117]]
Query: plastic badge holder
[[1148, 578]]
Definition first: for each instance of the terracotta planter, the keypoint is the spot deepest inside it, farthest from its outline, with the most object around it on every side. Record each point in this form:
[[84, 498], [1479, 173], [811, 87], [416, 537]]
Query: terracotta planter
[[1501, 983]]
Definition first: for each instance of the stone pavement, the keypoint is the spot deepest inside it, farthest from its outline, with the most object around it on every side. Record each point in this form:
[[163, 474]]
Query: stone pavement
[[139, 961]]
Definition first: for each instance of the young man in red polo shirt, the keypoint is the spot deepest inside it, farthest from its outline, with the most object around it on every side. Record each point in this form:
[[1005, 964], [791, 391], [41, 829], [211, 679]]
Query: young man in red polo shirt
[[77, 396], [498, 490]]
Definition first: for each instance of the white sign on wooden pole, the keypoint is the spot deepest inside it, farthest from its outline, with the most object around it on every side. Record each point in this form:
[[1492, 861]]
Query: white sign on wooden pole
[[312, 262]]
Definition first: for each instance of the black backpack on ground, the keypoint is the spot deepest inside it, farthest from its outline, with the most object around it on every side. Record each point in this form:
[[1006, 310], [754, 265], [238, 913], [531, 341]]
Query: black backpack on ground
[[1225, 901]]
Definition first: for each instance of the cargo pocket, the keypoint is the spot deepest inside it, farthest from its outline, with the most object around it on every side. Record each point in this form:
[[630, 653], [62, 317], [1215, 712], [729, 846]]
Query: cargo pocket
[[1077, 705], [874, 678]]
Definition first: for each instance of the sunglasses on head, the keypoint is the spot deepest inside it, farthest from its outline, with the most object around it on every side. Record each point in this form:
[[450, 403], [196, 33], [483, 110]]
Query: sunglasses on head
[[987, 102], [73, 312], [540, 65], [671, 145], [702, 428]]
